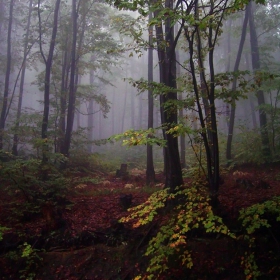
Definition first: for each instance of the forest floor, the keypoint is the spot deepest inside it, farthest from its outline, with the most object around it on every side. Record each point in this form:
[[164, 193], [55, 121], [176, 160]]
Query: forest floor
[[88, 243]]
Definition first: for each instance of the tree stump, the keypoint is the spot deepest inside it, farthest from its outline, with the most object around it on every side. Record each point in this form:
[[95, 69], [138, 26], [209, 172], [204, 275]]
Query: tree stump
[[122, 171]]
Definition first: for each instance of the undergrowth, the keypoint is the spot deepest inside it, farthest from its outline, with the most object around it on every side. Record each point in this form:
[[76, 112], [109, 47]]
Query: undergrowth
[[191, 213], [191, 217]]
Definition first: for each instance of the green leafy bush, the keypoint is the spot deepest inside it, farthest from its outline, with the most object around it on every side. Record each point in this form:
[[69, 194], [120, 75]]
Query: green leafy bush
[[247, 146], [90, 163], [2, 230], [36, 182], [192, 212], [254, 219]]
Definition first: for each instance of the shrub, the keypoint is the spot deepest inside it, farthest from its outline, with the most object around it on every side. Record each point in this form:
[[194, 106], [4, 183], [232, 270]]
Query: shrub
[[254, 219], [28, 177], [192, 212]]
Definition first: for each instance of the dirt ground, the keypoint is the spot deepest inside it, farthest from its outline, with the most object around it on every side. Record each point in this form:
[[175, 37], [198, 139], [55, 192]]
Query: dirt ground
[[90, 244]]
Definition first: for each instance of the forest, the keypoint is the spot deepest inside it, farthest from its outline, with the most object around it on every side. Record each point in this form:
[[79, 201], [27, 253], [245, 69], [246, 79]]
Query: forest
[[139, 139]]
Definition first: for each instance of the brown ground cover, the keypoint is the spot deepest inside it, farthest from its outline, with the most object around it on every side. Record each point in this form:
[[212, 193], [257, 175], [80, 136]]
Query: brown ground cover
[[90, 244]]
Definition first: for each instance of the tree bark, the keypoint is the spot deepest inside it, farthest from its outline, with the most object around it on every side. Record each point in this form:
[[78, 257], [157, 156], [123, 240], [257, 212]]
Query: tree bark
[[72, 83], [236, 67], [48, 64], [256, 64], [167, 68], [7, 75], [90, 118], [150, 172], [22, 79]]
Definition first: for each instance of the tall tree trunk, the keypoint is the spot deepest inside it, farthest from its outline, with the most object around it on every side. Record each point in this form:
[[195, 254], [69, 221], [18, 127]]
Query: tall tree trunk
[[214, 181], [2, 13], [150, 172], [113, 111], [124, 105], [167, 68], [181, 114], [7, 75], [90, 118], [235, 69], [250, 98], [133, 95], [22, 79], [140, 110], [63, 100], [206, 90], [72, 83], [48, 64], [256, 64]]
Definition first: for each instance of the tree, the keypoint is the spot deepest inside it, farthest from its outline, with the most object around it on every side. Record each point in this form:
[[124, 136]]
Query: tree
[[72, 84], [202, 33], [167, 67], [22, 79], [236, 67], [48, 64], [150, 172], [256, 64], [7, 75]]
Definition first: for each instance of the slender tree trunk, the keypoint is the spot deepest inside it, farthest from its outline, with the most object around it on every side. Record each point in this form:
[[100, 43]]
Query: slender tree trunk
[[90, 118], [2, 13], [113, 111], [7, 75], [63, 97], [72, 83], [77, 114], [256, 64], [250, 98], [236, 67], [124, 105], [133, 95], [22, 79], [140, 118], [48, 63], [181, 115], [206, 90], [150, 172]]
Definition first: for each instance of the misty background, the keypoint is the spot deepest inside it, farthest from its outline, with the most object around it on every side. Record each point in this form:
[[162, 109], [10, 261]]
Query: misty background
[[111, 51]]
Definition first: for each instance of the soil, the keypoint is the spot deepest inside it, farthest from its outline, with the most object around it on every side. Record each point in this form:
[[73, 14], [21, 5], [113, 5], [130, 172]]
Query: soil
[[85, 241]]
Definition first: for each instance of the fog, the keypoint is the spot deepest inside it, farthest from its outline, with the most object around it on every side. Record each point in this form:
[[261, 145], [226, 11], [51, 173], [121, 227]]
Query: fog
[[111, 55]]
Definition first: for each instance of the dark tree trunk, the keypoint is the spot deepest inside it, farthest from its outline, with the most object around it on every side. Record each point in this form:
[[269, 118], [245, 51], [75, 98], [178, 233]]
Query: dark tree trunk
[[150, 172], [22, 78], [256, 64], [206, 90], [48, 64], [167, 68], [90, 113], [181, 115], [72, 84], [7, 76], [236, 67], [214, 181], [140, 110], [250, 98], [63, 101], [113, 112]]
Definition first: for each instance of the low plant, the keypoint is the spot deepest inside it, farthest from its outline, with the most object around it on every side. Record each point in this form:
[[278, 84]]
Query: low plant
[[28, 178], [254, 219], [31, 261], [2, 230], [247, 146], [191, 211]]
